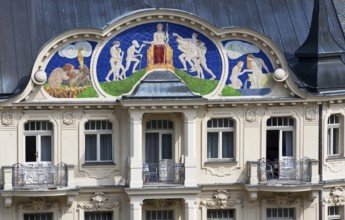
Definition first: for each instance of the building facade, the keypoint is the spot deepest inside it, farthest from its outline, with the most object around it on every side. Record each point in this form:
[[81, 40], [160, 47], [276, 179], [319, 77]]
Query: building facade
[[161, 115]]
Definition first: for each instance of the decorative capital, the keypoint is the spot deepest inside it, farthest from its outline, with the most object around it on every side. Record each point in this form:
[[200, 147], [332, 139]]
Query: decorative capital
[[99, 201], [7, 118], [251, 115], [336, 197], [221, 200], [280, 200], [311, 113]]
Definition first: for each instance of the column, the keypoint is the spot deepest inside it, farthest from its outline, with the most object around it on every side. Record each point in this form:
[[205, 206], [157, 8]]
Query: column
[[136, 209], [190, 148], [190, 209], [136, 149]]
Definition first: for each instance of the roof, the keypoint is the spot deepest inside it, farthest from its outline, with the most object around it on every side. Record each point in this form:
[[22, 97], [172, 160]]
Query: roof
[[27, 25], [161, 84]]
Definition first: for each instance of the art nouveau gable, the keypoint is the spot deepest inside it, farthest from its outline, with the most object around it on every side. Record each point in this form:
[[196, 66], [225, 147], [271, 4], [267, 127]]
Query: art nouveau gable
[[229, 64]]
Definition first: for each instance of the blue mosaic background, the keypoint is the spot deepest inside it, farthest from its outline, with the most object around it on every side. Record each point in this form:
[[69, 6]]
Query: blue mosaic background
[[245, 89], [145, 32], [58, 61]]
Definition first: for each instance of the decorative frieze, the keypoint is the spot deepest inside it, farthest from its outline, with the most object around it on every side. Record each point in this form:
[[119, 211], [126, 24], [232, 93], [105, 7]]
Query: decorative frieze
[[221, 200], [281, 200], [336, 197], [161, 203], [99, 201], [38, 205]]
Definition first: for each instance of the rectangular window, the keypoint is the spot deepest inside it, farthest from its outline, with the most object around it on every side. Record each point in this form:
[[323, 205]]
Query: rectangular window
[[38, 216], [280, 213], [220, 139], [160, 215], [333, 135], [98, 141], [98, 215], [38, 141], [220, 214], [335, 213]]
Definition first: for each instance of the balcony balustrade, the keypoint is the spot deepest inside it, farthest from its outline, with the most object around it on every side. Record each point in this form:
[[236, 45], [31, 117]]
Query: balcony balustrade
[[166, 171], [38, 176], [286, 171]]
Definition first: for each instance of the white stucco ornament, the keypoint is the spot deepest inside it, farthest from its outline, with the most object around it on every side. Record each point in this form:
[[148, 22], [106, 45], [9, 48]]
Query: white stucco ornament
[[39, 77], [336, 197], [280, 75], [7, 118]]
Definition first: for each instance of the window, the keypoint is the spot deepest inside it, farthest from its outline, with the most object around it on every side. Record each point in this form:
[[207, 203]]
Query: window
[[160, 215], [220, 138], [39, 216], [159, 141], [335, 213], [98, 215], [38, 141], [333, 135], [98, 141], [220, 214], [280, 138], [281, 213]]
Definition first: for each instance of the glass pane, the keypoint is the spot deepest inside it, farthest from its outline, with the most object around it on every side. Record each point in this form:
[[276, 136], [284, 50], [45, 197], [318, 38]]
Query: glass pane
[[106, 147], [335, 140], [46, 148], [152, 148], [166, 146], [90, 147], [228, 145], [212, 145], [287, 144], [30, 149]]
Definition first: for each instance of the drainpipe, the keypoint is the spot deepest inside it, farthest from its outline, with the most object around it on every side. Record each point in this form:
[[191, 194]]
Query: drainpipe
[[320, 159]]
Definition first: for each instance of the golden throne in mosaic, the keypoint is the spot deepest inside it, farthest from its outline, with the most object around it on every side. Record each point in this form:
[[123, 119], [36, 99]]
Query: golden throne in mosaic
[[166, 62]]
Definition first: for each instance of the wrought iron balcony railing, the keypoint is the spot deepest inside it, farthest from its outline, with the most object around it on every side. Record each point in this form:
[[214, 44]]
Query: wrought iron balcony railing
[[285, 171], [39, 175], [166, 171]]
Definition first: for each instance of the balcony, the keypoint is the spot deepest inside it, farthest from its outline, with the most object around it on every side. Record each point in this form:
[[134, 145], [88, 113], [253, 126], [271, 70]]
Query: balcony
[[265, 175], [164, 172], [38, 176]]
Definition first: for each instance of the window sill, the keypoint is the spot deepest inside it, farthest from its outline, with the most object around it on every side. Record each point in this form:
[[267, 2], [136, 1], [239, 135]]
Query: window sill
[[221, 161], [335, 158], [95, 164]]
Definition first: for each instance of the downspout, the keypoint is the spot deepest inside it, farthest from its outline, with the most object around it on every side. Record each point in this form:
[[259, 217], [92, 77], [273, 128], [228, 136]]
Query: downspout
[[320, 159]]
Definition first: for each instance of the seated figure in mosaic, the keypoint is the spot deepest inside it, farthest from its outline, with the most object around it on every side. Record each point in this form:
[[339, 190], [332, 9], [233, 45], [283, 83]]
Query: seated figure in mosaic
[[115, 62], [160, 39], [236, 83]]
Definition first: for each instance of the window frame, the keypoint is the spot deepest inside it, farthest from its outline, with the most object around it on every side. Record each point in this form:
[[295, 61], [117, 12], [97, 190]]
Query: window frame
[[98, 133], [337, 216], [283, 128], [217, 218], [331, 126], [220, 131], [99, 212], [39, 133]]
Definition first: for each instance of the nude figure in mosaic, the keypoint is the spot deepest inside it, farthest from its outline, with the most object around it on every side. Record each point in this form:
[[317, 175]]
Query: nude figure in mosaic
[[202, 50], [256, 65], [188, 47], [236, 83], [115, 62], [132, 56]]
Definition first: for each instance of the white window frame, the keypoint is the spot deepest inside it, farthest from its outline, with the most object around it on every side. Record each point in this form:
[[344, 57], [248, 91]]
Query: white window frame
[[98, 133], [335, 216], [160, 210], [281, 129], [220, 131], [283, 217], [95, 212], [333, 123], [38, 134], [41, 213], [160, 132]]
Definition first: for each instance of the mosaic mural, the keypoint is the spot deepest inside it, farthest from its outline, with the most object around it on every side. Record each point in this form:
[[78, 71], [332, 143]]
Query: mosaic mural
[[138, 50], [69, 70], [249, 68], [126, 58]]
